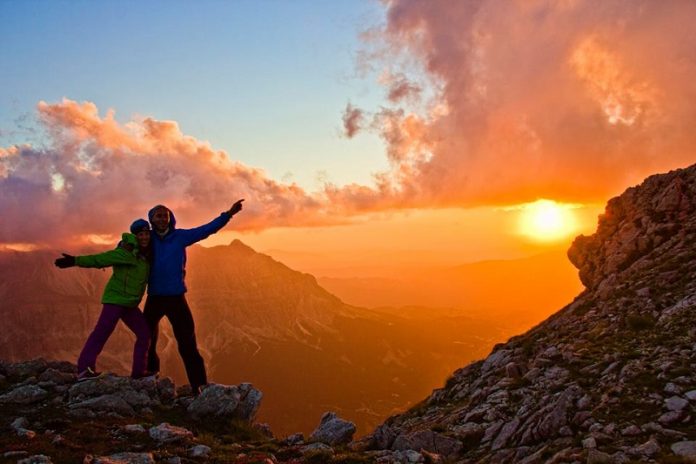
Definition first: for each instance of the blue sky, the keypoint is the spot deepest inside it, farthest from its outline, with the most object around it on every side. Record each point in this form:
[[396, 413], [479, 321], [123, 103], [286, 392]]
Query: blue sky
[[266, 81]]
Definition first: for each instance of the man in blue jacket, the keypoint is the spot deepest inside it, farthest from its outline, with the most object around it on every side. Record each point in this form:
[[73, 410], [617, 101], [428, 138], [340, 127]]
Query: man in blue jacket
[[166, 287]]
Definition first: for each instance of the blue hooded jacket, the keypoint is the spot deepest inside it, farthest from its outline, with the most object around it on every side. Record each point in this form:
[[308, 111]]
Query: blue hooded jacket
[[169, 262]]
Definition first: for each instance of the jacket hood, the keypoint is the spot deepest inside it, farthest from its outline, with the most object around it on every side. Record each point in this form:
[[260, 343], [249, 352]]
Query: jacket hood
[[172, 219], [129, 239]]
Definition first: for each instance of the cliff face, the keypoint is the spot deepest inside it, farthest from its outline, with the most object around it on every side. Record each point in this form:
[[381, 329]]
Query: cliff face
[[610, 377], [653, 216]]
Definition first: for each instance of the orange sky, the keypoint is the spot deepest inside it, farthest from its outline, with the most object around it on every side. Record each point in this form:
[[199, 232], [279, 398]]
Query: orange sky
[[408, 242]]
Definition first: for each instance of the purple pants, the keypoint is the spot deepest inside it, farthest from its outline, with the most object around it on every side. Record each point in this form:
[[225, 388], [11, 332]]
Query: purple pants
[[106, 324]]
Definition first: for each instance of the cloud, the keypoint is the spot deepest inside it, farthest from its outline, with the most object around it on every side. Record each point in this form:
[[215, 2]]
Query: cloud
[[97, 175], [400, 88], [352, 120], [569, 100]]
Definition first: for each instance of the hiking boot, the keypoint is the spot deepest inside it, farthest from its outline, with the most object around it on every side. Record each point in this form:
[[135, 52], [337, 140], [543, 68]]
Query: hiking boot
[[88, 374]]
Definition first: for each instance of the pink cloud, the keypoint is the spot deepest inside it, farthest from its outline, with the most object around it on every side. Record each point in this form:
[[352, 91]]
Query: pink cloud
[[352, 120], [562, 99], [97, 175]]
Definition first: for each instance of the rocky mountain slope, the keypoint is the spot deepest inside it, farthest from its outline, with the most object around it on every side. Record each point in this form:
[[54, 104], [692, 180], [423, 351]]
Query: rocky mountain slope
[[610, 378], [257, 321]]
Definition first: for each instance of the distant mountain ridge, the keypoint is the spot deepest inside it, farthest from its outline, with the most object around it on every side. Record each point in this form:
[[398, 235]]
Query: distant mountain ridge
[[610, 378], [535, 287], [257, 320]]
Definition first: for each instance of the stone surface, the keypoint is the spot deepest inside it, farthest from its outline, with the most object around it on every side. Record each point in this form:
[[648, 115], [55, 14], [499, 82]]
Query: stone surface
[[121, 458], [199, 451], [25, 394], [36, 459], [226, 401], [134, 428], [676, 403], [429, 441], [166, 433], [333, 430], [685, 449], [316, 450], [105, 403]]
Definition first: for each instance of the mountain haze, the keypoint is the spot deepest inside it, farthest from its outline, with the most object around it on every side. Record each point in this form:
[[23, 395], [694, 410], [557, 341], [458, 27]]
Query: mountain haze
[[474, 287]]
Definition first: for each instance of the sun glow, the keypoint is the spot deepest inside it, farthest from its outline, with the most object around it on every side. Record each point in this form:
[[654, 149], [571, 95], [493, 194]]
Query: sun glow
[[546, 220]]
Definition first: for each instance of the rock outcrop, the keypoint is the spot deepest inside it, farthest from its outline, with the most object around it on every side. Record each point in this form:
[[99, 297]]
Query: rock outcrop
[[46, 416], [333, 430], [610, 377], [47, 411]]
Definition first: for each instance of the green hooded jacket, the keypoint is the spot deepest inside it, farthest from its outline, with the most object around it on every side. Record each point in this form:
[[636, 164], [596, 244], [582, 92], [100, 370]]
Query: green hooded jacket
[[130, 272]]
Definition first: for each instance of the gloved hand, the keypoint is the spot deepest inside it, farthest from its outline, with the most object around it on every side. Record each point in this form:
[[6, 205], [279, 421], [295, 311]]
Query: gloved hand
[[65, 261]]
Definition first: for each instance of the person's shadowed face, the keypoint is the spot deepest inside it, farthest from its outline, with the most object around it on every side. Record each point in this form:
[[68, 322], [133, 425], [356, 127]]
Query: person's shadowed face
[[143, 239], [160, 219]]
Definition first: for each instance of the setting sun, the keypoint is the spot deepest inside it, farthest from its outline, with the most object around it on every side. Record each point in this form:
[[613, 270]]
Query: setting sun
[[546, 220]]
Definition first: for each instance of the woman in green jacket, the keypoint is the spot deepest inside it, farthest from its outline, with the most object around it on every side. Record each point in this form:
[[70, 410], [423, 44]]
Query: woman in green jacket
[[130, 261]]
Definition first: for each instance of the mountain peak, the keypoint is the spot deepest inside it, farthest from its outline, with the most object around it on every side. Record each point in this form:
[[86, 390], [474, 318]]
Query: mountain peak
[[240, 247], [651, 217]]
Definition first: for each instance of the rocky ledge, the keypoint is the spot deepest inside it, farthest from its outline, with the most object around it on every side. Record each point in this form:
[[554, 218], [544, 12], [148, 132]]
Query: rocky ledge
[[46, 416]]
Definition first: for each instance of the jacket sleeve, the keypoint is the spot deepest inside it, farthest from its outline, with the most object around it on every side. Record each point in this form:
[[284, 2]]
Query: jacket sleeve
[[191, 236], [106, 259]]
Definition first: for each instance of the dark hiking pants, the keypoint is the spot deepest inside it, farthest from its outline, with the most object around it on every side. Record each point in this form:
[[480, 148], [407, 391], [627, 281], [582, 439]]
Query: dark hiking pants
[[176, 309]]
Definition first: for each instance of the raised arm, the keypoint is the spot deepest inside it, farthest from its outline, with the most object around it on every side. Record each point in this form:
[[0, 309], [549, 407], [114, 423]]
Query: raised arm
[[199, 233]]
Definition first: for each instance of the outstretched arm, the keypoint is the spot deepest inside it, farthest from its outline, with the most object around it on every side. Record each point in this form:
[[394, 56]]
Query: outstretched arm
[[197, 234], [109, 258]]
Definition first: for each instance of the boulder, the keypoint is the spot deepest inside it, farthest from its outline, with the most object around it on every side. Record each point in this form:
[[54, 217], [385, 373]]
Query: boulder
[[166, 433], [333, 430], [25, 394], [676, 403], [226, 401], [57, 377], [685, 449], [26, 369], [105, 403], [294, 439], [199, 451], [429, 441]]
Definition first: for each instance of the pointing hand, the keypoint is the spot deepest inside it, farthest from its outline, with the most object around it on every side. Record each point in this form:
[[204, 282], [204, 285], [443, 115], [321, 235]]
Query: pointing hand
[[237, 207]]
